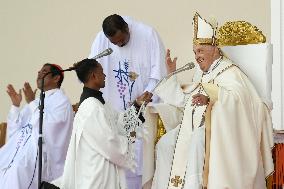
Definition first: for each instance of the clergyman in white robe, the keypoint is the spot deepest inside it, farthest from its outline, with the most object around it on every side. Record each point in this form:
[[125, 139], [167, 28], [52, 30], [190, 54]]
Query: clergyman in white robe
[[225, 144], [18, 158], [98, 152], [143, 56]]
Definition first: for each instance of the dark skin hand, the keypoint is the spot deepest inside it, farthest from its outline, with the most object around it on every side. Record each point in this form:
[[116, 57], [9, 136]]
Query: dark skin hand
[[145, 97], [16, 98], [29, 92]]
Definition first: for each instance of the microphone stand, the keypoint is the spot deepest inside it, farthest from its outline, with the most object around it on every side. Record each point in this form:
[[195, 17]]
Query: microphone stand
[[40, 136], [41, 108]]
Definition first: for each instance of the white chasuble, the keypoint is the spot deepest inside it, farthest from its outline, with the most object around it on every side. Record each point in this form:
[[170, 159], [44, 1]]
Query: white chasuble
[[188, 138], [237, 150]]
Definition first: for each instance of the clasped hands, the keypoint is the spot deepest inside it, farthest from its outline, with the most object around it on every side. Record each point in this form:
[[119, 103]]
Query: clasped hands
[[16, 98]]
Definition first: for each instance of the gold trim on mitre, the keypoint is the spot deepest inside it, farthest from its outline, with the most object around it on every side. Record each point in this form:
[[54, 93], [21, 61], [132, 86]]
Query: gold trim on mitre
[[204, 33], [239, 33]]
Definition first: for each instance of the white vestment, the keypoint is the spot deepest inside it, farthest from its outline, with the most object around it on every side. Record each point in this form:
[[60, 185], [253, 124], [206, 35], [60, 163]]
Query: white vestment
[[144, 55], [18, 158], [97, 152], [236, 145]]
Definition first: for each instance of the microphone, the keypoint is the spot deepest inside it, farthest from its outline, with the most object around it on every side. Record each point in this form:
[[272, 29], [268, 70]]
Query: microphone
[[69, 69], [60, 71], [188, 66], [104, 53]]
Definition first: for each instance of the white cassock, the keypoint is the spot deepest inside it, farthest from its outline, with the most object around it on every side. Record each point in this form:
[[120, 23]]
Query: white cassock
[[18, 158], [143, 55], [230, 148], [98, 153]]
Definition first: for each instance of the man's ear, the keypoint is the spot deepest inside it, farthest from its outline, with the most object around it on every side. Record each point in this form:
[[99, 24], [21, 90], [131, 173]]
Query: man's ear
[[94, 75], [126, 30], [56, 79]]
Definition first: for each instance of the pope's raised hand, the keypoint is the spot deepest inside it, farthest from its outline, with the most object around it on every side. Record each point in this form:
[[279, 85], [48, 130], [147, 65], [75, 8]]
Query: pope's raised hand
[[16, 98], [171, 64]]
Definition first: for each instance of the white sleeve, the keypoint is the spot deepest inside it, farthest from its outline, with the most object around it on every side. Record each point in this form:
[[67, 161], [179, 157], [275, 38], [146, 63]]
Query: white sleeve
[[57, 121], [170, 92], [97, 131], [97, 45], [158, 54], [17, 118], [151, 85]]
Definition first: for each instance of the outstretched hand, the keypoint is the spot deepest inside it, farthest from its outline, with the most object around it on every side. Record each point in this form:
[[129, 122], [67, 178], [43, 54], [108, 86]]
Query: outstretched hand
[[16, 98], [29, 92], [171, 64]]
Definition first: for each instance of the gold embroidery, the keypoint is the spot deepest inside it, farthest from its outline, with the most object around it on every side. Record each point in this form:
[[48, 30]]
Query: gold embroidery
[[133, 134], [160, 129], [133, 76], [176, 181], [200, 41]]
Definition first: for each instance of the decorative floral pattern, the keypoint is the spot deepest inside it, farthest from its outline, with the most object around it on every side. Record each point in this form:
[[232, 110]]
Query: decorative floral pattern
[[124, 82], [26, 132]]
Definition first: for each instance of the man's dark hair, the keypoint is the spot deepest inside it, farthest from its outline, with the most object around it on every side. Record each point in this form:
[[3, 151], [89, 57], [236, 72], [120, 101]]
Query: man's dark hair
[[54, 72], [84, 68], [113, 24]]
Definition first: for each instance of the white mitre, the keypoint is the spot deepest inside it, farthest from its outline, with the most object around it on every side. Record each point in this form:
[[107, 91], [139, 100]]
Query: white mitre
[[204, 31]]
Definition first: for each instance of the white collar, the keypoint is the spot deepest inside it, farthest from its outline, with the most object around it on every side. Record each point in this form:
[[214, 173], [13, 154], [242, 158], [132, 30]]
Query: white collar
[[50, 92]]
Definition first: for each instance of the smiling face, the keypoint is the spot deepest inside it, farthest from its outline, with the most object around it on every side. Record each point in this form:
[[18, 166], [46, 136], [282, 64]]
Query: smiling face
[[205, 55]]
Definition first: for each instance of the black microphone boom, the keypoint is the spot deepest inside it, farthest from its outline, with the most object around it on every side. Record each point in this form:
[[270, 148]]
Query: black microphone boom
[[60, 71], [104, 53], [69, 69]]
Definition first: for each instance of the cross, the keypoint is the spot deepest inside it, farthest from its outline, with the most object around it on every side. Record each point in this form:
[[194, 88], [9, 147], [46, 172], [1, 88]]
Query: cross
[[133, 134], [176, 181]]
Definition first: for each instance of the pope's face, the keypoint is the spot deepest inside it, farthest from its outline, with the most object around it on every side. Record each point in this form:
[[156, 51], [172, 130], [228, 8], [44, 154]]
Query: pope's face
[[204, 55]]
